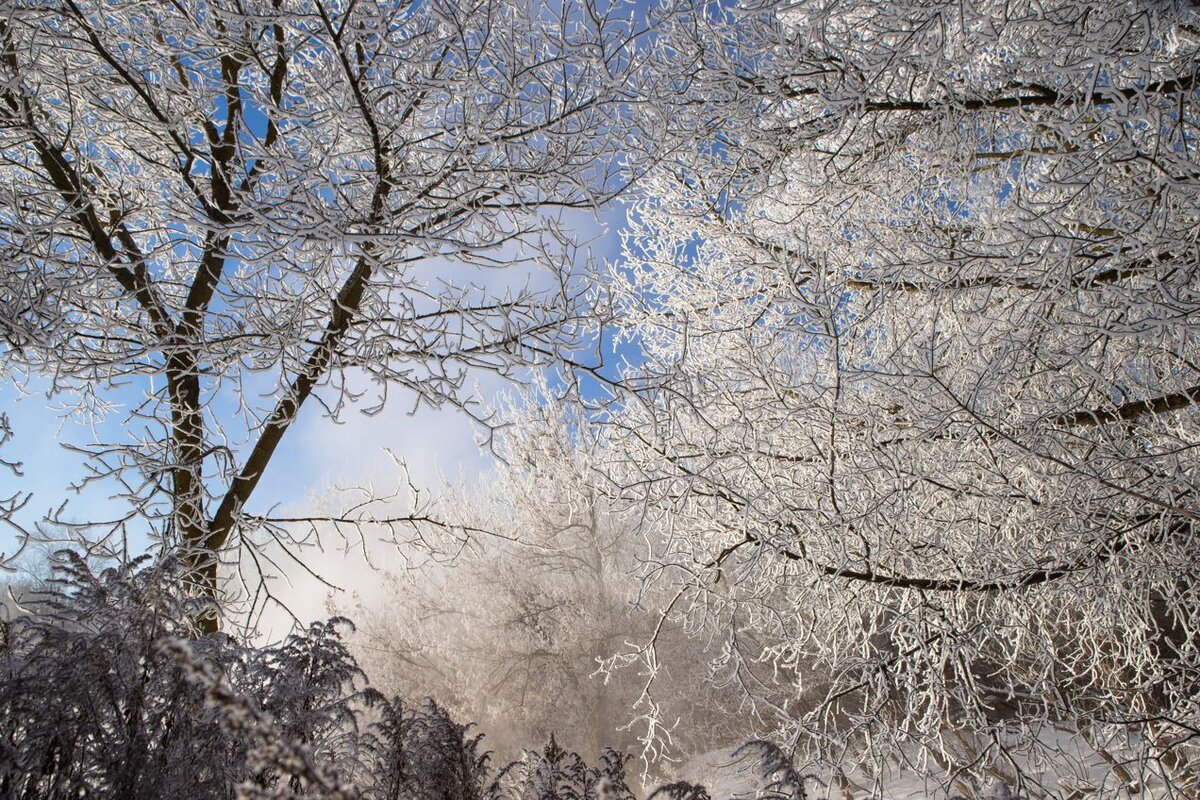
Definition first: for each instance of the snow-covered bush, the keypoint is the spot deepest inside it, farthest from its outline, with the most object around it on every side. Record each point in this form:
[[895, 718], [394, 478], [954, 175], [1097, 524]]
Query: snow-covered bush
[[106, 692], [90, 703]]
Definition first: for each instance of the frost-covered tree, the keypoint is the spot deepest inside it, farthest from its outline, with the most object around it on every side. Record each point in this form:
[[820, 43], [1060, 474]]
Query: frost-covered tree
[[508, 626], [216, 214], [919, 312], [518, 631]]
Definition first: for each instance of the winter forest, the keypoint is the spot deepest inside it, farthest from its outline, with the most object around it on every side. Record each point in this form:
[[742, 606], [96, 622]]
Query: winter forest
[[828, 373]]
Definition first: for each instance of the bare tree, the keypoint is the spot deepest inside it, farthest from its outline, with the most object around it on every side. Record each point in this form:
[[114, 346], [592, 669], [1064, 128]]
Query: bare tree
[[216, 214], [920, 319]]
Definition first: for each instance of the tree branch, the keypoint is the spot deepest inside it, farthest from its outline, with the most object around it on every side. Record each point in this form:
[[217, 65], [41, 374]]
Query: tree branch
[[1028, 578], [1162, 404], [1038, 96]]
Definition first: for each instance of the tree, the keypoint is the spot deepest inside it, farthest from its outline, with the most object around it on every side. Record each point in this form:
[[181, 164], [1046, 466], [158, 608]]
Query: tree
[[919, 402], [542, 591], [215, 215]]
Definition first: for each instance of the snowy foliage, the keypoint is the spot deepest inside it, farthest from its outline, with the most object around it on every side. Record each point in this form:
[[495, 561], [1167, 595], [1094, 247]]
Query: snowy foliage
[[90, 701], [553, 773], [104, 694]]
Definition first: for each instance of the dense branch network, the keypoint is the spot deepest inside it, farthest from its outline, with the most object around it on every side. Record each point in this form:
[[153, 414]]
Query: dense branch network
[[271, 198], [919, 394]]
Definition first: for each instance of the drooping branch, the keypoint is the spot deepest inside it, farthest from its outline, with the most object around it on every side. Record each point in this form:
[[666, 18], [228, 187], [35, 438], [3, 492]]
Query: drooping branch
[[1084, 279], [1026, 578], [1083, 418]]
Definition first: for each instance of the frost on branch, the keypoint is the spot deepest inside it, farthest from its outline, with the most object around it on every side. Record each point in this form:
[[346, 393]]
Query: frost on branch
[[11, 505], [919, 412]]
